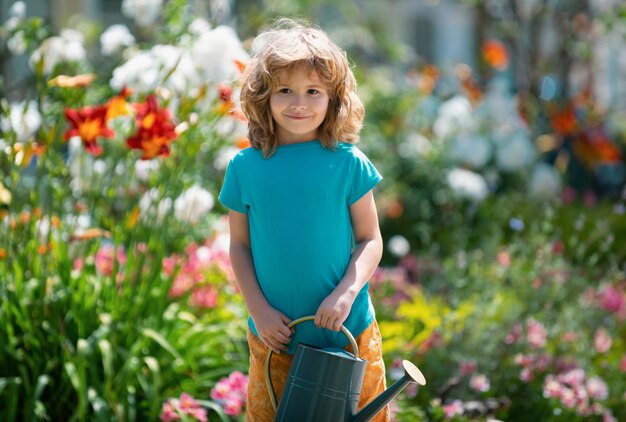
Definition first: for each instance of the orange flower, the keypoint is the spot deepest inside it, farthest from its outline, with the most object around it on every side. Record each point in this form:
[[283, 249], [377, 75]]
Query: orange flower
[[118, 106], [564, 121], [242, 143], [88, 123], [3, 253], [495, 54], [155, 129], [88, 234], [240, 65], [64, 81]]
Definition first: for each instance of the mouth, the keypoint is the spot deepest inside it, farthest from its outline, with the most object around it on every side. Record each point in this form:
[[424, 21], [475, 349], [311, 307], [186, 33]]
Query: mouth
[[296, 117]]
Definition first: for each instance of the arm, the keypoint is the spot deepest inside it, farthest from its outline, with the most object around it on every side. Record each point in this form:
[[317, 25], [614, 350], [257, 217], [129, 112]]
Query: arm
[[369, 248], [270, 323]]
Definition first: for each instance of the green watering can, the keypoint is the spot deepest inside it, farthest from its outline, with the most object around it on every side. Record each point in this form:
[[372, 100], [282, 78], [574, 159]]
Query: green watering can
[[325, 384]]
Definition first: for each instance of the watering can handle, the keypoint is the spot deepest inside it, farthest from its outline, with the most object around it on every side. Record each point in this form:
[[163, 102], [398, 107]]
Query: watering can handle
[[268, 377]]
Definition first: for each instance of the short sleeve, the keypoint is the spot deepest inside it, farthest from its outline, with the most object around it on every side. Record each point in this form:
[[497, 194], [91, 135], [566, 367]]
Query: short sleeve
[[364, 177], [230, 195]]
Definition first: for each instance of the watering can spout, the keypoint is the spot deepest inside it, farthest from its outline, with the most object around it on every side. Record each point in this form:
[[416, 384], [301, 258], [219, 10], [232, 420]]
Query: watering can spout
[[411, 374]]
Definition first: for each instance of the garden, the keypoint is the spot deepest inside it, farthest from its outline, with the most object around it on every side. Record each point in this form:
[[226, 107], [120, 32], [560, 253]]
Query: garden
[[502, 210]]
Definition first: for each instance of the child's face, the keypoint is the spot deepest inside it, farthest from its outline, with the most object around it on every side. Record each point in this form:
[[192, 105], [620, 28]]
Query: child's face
[[298, 103]]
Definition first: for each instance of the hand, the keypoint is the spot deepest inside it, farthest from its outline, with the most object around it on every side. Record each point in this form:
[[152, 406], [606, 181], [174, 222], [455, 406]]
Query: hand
[[272, 327], [333, 311]]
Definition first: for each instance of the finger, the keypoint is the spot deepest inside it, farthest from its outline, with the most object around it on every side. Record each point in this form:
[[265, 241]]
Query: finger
[[282, 338]]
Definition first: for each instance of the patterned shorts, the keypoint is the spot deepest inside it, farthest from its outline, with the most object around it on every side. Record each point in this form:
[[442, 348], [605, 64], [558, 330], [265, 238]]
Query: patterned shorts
[[259, 407]]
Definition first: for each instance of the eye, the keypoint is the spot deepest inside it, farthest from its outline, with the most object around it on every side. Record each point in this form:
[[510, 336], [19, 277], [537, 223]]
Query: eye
[[284, 91], [313, 91]]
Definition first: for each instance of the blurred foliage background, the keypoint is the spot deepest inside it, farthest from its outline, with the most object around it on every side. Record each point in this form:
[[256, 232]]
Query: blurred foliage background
[[499, 129]]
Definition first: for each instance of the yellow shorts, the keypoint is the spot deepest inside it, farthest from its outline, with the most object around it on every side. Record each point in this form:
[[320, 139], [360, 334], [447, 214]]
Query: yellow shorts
[[259, 408]]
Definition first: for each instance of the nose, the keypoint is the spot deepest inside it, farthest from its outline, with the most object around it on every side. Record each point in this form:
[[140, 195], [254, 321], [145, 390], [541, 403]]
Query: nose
[[297, 107]]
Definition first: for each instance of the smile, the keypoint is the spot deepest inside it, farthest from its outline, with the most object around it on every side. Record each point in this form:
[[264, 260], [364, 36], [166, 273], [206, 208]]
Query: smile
[[297, 117]]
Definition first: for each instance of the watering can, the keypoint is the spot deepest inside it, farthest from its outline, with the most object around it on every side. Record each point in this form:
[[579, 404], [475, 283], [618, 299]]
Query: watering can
[[325, 384]]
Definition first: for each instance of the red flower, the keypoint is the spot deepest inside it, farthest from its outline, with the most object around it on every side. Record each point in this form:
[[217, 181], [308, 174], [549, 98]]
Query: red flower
[[88, 123], [155, 129]]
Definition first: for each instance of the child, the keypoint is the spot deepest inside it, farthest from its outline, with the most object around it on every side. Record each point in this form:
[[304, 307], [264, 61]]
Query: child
[[303, 224]]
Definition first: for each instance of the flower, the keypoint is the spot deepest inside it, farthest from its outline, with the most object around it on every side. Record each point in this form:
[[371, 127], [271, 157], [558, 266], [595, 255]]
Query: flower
[[144, 12], [613, 300], [67, 47], [89, 124], [193, 204], [467, 184], [231, 392], [480, 383], [155, 129], [453, 409], [602, 340], [495, 54], [115, 38], [23, 119], [597, 388], [398, 245], [537, 334], [65, 81], [174, 409]]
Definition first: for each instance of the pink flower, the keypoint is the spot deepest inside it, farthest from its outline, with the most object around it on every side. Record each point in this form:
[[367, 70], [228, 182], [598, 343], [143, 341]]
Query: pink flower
[[526, 375], [602, 340], [597, 388], [105, 260], [231, 393], [504, 259], [199, 414], [514, 335], [453, 409], [537, 334], [204, 297], [187, 403], [467, 367], [168, 412], [568, 195], [613, 300], [622, 364], [480, 383], [568, 398], [573, 377], [552, 387]]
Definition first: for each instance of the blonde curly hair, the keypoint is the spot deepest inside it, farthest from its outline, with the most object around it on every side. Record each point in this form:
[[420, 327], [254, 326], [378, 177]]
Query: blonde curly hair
[[288, 45]]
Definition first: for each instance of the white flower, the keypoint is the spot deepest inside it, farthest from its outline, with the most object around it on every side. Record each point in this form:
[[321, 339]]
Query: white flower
[[398, 245], [515, 154], [467, 184], [152, 206], [224, 156], [199, 26], [415, 145], [454, 115], [23, 119], [164, 65], [67, 47], [115, 38], [145, 168], [18, 10], [545, 182], [144, 12], [17, 43], [193, 204], [214, 54], [471, 149]]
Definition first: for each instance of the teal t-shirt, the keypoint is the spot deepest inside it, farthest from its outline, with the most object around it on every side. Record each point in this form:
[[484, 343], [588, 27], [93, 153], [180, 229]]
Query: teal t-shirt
[[301, 236]]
